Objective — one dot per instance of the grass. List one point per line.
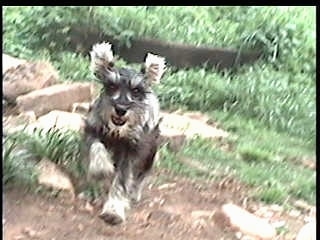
(267, 169)
(268, 107)
(63, 147)
(18, 167)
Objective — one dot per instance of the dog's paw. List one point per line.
(113, 211)
(111, 218)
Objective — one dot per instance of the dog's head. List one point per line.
(130, 106)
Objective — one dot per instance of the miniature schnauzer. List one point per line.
(122, 128)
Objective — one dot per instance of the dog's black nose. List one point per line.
(120, 110)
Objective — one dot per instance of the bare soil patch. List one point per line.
(174, 208)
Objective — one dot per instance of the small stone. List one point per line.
(167, 185)
(19, 237)
(98, 202)
(83, 196)
(29, 232)
(80, 227)
(245, 237)
(88, 207)
(302, 205)
(276, 208)
(264, 212)
(294, 213)
(307, 219)
(248, 223)
(162, 201)
(307, 232)
(202, 214)
(199, 224)
(278, 224)
(238, 235)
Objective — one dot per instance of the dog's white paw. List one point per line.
(113, 211)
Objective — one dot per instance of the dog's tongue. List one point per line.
(118, 121)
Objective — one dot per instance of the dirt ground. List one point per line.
(168, 210)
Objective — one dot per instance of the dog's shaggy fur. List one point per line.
(122, 129)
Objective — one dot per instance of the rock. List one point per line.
(16, 123)
(19, 237)
(238, 235)
(61, 120)
(82, 108)
(302, 205)
(30, 232)
(27, 77)
(309, 163)
(10, 62)
(80, 227)
(57, 97)
(202, 214)
(88, 208)
(167, 186)
(197, 116)
(276, 208)
(278, 224)
(264, 212)
(307, 232)
(294, 213)
(174, 124)
(199, 223)
(51, 176)
(248, 223)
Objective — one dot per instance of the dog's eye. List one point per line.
(112, 87)
(136, 91)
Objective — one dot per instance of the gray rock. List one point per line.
(26, 77)
(56, 97)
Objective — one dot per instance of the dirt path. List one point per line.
(167, 211)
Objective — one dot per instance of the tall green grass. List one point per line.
(279, 90)
(281, 100)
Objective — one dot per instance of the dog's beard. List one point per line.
(131, 130)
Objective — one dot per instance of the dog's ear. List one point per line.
(102, 61)
(154, 67)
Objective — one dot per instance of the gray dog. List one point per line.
(122, 129)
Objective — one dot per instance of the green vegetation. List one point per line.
(60, 146)
(17, 165)
(268, 107)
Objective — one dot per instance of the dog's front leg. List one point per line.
(100, 161)
(118, 201)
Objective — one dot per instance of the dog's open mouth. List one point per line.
(118, 121)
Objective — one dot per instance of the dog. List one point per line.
(122, 128)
